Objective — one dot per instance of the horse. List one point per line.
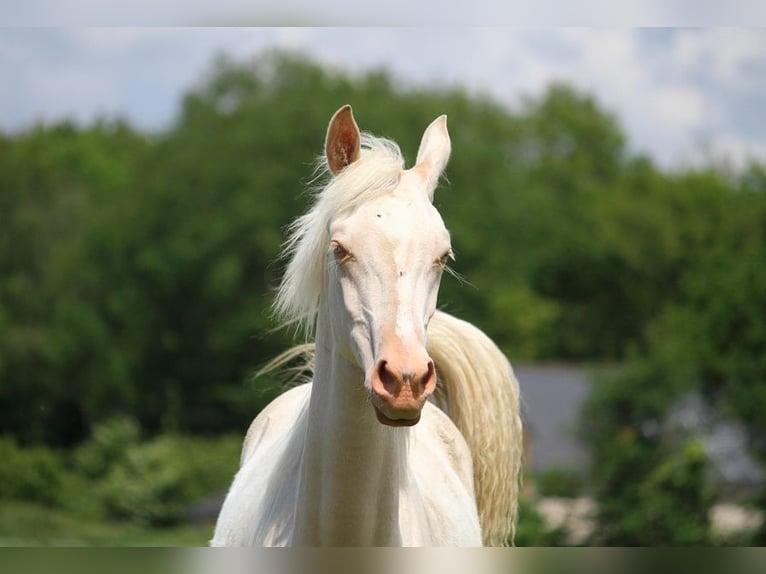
(409, 432)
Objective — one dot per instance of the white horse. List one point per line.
(360, 456)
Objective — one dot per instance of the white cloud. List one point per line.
(678, 107)
(689, 48)
(393, 12)
(728, 150)
(666, 97)
(732, 49)
(722, 53)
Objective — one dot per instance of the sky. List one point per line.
(681, 94)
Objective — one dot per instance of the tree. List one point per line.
(53, 182)
(707, 338)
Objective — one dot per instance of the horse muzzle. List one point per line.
(400, 387)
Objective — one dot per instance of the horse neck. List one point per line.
(352, 466)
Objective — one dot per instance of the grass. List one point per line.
(26, 524)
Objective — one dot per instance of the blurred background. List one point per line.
(607, 201)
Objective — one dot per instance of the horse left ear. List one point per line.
(343, 140)
(433, 154)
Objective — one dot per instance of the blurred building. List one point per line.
(551, 398)
(553, 394)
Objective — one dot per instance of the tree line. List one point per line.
(137, 269)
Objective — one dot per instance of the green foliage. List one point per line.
(559, 482)
(706, 336)
(150, 482)
(648, 491)
(154, 483)
(53, 182)
(531, 529)
(107, 447)
(116, 476)
(137, 272)
(35, 474)
(676, 500)
(668, 505)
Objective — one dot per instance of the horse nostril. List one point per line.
(388, 379)
(392, 383)
(428, 377)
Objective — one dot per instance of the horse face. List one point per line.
(386, 260)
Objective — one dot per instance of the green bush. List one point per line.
(155, 482)
(559, 482)
(116, 476)
(32, 474)
(107, 446)
(676, 501)
(531, 529)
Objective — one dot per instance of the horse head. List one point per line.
(385, 259)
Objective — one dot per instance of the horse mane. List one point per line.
(375, 173)
(477, 389)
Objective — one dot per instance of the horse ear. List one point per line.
(342, 143)
(433, 154)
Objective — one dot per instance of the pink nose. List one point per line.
(400, 386)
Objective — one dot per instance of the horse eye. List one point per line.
(442, 261)
(339, 252)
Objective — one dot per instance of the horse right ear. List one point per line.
(342, 143)
(433, 154)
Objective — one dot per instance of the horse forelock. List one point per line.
(376, 173)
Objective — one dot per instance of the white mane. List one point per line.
(375, 173)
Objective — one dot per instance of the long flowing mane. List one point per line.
(374, 174)
(478, 390)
